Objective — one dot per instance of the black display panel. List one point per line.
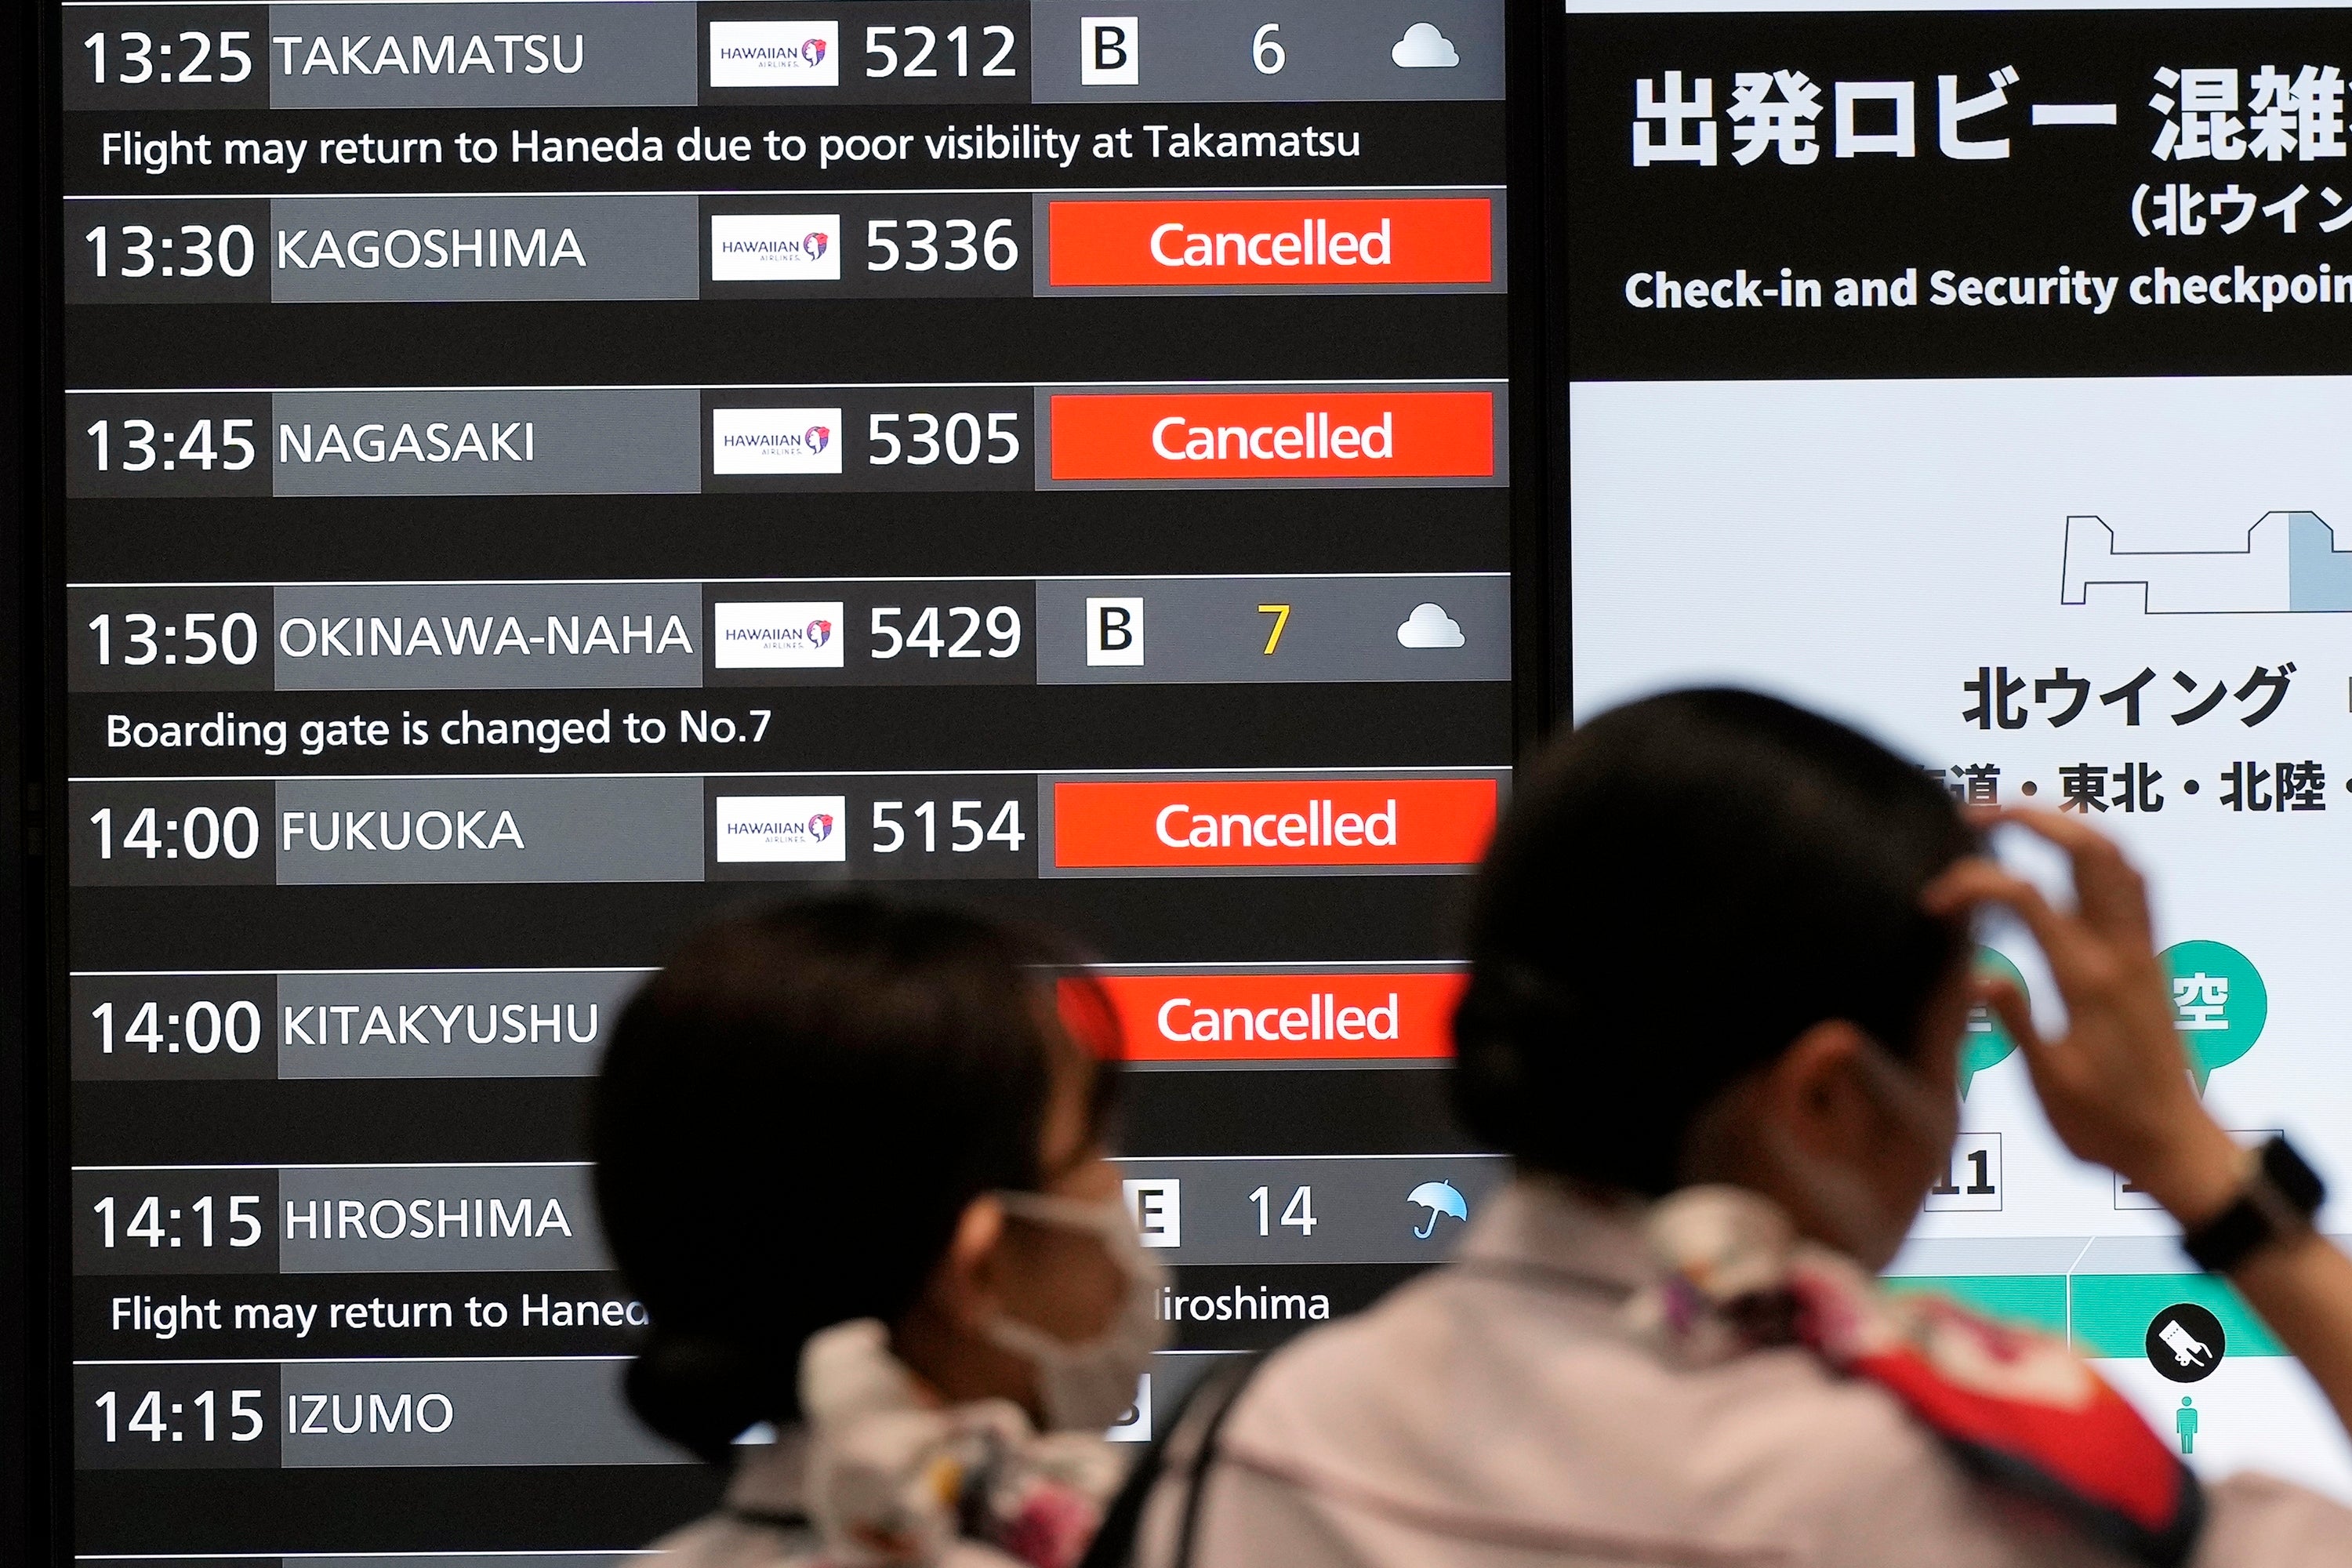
(524, 478)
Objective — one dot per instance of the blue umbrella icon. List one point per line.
(1437, 1197)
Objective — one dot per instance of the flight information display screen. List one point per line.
(529, 477)
(1977, 376)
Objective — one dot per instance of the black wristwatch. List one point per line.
(2278, 1201)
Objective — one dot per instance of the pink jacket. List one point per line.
(1497, 1412)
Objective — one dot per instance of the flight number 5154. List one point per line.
(968, 825)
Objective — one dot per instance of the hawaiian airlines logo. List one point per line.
(775, 441)
(775, 53)
(796, 635)
(768, 829)
(774, 247)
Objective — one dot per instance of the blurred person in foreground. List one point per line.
(851, 1157)
(1721, 969)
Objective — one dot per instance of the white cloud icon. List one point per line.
(1424, 47)
(1430, 626)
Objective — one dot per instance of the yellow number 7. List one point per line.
(1281, 614)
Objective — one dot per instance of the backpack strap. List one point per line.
(1189, 1443)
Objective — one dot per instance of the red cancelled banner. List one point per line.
(1180, 436)
(1305, 823)
(1421, 240)
(1284, 1017)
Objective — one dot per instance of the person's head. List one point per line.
(848, 1109)
(1698, 953)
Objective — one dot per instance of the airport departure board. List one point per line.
(530, 475)
(1978, 376)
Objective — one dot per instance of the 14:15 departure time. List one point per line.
(147, 1419)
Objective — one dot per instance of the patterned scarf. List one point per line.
(2017, 1408)
(895, 1481)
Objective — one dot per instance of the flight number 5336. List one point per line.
(951, 245)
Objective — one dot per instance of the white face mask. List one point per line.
(1844, 1197)
(1086, 1386)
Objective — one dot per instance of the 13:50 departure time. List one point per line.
(237, 642)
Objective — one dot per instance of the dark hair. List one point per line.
(1679, 890)
(789, 1121)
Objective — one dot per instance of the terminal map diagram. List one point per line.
(2287, 561)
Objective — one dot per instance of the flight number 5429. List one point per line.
(967, 634)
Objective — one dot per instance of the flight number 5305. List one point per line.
(960, 439)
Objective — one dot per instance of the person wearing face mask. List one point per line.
(851, 1158)
(1721, 967)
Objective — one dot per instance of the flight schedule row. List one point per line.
(184, 1220)
(352, 1026)
(613, 635)
(435, 54)
(669, 440)
(404, 1316)
(552, 1409)
(481, 828)
(784, 244)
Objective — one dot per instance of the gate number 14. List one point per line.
(1299, 1212)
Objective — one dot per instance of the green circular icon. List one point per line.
(1983, 1039)
(2219, 1003)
